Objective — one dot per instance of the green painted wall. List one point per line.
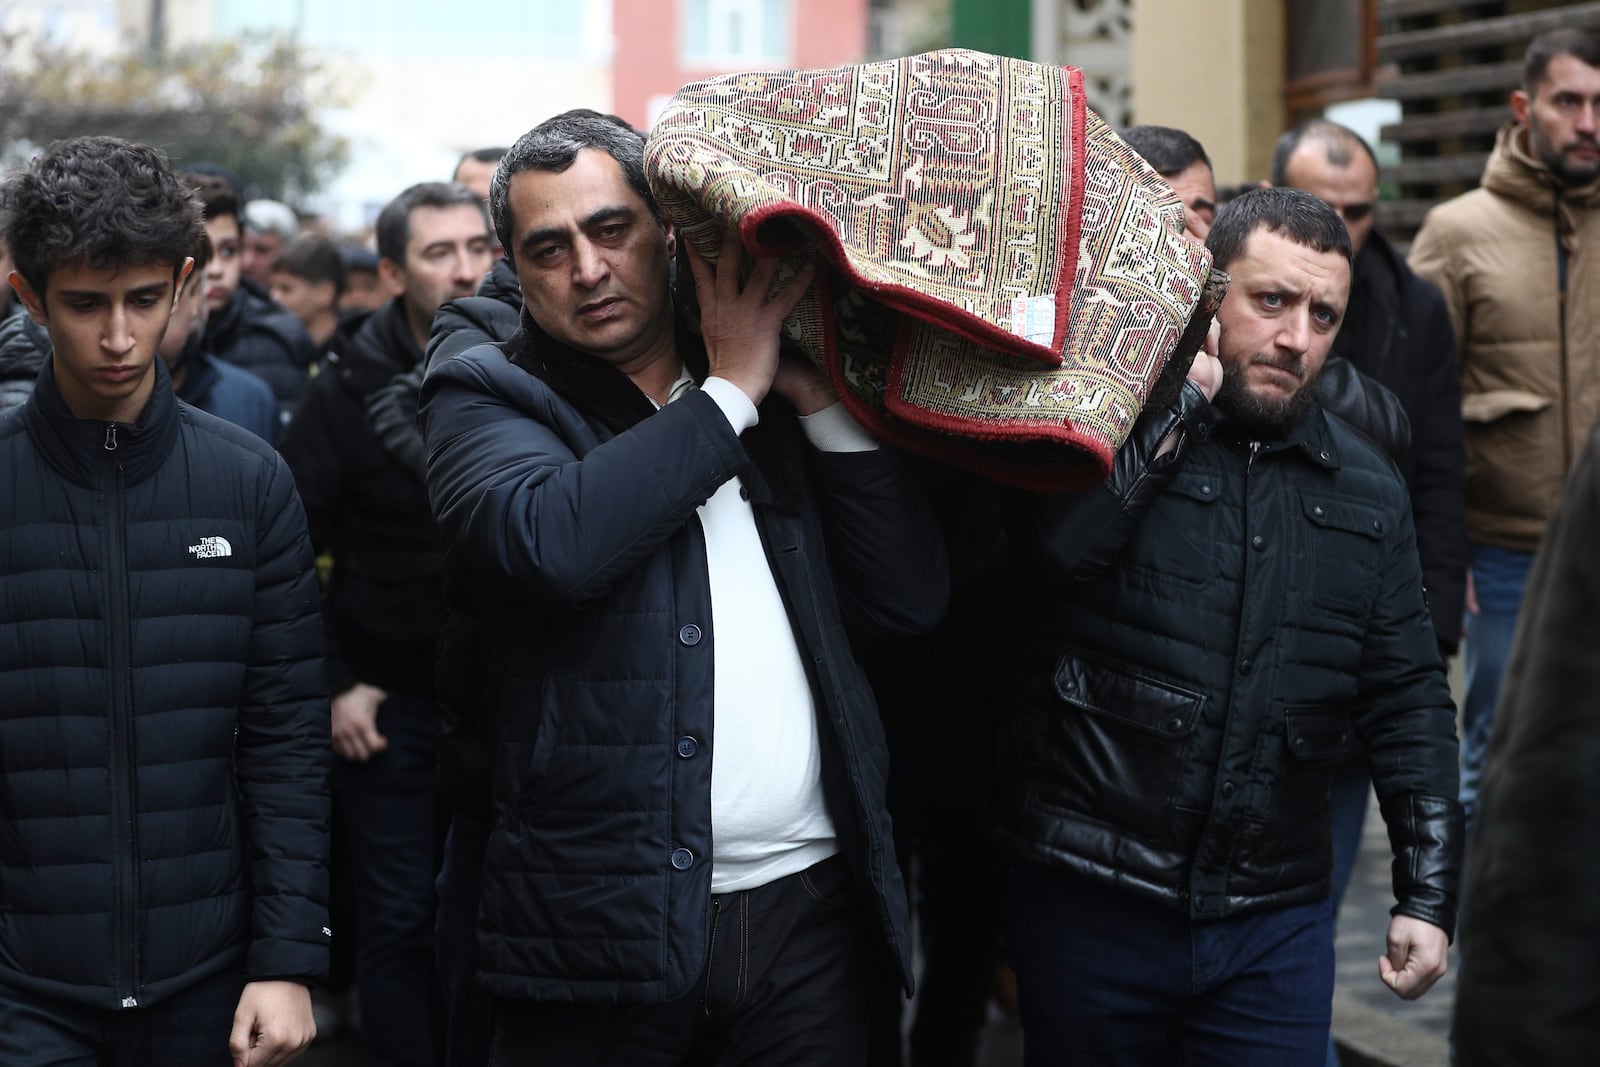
(1000, 27)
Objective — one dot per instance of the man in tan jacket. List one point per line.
(1524, 301)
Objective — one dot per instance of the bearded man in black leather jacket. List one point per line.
(1215, 626)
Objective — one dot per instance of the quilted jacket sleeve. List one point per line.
(522, 486)
(1407, 721)
(1079, 534)
(282, 749)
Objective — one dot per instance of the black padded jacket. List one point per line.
(1210, 632)
(256, 334)
(368, 508)
(588, 566)
(163, 712)
(1397, 331)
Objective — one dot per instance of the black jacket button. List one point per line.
(689, 634)
(687, 746)
(682, 859)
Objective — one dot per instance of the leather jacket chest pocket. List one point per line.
(1177, 547)
(1118, 744)
(1344, 550)
(1301, 763)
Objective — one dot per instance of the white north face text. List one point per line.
(211, 548)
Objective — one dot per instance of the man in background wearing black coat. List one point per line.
(1397, 331)
(368, 508)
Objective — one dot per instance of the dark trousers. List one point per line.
(790, 971)
(1108, 978)
(468, 1011)
(190, 1028)
(939, 796)
(387, 808)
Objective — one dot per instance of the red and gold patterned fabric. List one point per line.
(1008, 279)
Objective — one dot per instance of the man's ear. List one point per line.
(1519, 106)
(672, 238)
(29, 298)
(393, 277)
(183, 276)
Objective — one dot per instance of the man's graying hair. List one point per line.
(1290, 213)
(553, 145)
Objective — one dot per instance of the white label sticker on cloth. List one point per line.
(1033, 318)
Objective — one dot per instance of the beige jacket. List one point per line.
(1528, 394)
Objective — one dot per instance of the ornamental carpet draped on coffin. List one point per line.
(1005, 279)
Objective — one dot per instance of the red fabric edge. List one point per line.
(1072, 211)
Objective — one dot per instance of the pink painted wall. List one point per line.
(645, 63)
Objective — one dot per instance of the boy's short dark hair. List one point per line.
(313, 258)
(217, 197)
(202, 254)
(98, 200)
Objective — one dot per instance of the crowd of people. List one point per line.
(580, 669)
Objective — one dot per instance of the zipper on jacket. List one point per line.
(125, 816)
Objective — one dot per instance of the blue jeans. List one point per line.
(1498, 577)
(1108, 978)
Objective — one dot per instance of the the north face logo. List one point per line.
(211, 548)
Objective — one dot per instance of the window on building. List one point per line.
(731, 33)
(1332, 52)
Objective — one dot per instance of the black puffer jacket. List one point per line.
(1397, 331)
(488, 318)
(1185, 692)
(254, 333)
(494, 314)
(163, 713)
(590, 573)
(369, 509)
(24, 349)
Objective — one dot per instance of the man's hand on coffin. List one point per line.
(738, 321)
